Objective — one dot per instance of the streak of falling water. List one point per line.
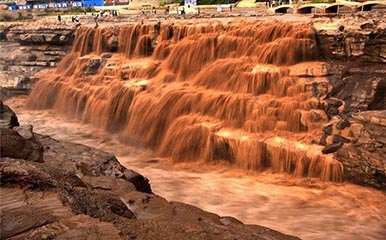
(309, 209)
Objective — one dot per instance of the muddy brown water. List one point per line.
(230, 111)
(309, 209)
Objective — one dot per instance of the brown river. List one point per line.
(307, 208)
(223, 105)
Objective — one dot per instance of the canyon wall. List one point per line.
(356, 49)
(27, 48)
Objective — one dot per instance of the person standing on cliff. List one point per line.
(59, 19)
(96, 20)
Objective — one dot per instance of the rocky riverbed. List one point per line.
(53, 189)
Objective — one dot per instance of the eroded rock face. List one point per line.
(41, 35)
(355, 38)
(27, 48)
(8, 118)
(13, 145)
(365, 159)
(357, 89)
(355, 49)
(79, 192)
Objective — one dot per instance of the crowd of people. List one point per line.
(95, 15)
(144, 11)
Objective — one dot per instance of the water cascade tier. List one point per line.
(242, 92)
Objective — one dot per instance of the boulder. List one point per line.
(13, 145)
(8, 118)
(332, 106)
(342, 124)
(327, 130)
(25, 131)
(323, 140)
(339, 139)
(333, 147)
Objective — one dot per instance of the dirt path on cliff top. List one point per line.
(306, 208)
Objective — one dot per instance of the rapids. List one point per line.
(307, 208)
(204, 92)
(221, 115)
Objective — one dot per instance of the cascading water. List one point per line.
(199, 92)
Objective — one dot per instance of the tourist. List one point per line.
(59, 19)
(230, 7)
(96, 20)
(198, 10)
(77, 22)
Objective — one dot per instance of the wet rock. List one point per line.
(327, 130)
(8, 118)
(25, 131)
(323, 140)
(379, 93)
(13, 145)
(342, 124)
(314, 69)
(93, 65)
(106, 55)
(339, 139)
(364, 159)
(332, 107)
(24, 83)
(139, 181)
(359, 87)
(333, 147)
